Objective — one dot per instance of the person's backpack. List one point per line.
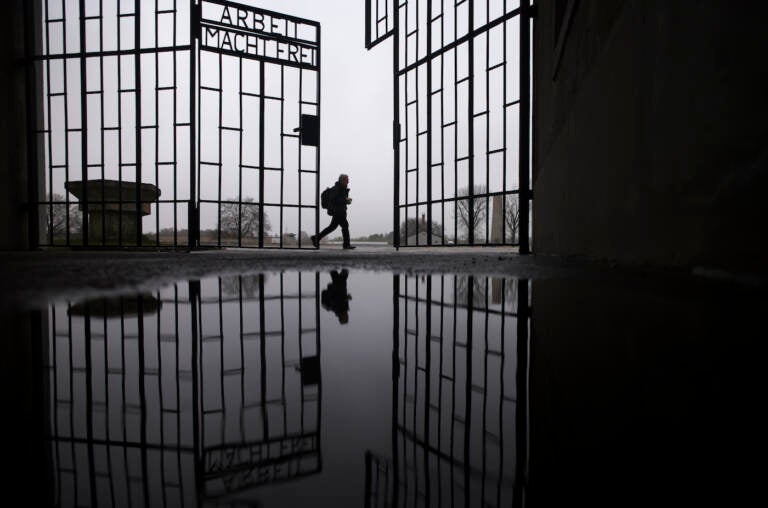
(325, 198)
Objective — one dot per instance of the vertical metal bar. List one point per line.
(261, 153)
(33, 210)
(443, 229)
(318, 350)
(143, 403)
(240, 154)
(221, 361)
(262, 357)
(137, 87)
(427, 370)
(455, 140)
(525, 128)
(196, 338)
(484, 427)
(319, 133)
(83, 125)
(193, 215)
(220, 160)
(504, 139)
(101, 114)
(501, 384)
(66, 125)
(175, 136)
(160, 399)
(49, 136)
(471, 122)
(468, 385)
(157, 134)
(282, 151)
(396, 136)
(488, 211)
(282, 351)
(89, 396)
(119, 130)
(395, 383)
(368, 24)
(429, 122)
(521, 413)
(137, 102)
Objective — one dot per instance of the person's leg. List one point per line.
(344, 229)
(333, 225)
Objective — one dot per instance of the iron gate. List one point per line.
(172, 123)
(461, 129)
(460, 373)
(158, 400)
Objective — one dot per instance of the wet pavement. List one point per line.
(456, 378)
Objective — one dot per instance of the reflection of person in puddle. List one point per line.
(335, 297)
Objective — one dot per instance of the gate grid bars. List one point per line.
(172, 123)
(461, 129)
(459, 394)
(161, 400)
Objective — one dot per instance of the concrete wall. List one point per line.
(13, 144)
(651, 141)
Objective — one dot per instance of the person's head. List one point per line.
(344, 179)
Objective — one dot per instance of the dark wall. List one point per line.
(651, 140)
(13, 160)
(645, 393)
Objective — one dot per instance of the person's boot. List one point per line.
(350, 247)
(315, 241)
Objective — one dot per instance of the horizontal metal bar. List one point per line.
(459, 198)
(494, 67)
(471, 35)
(497, 150)
(115, 52)
(513, 103)
(308, 171)
(254, 203)
(480, 113)
(226, 128)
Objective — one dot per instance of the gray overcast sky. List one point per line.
(356, 112)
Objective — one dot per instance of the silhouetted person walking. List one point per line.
(335, 297)
(337, 208)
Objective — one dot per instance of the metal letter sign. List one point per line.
(245, 31)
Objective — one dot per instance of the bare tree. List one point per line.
(512, 216)
(478, 207)
(243, 220)
(57, 220)
(246, 286)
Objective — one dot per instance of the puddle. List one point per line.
(360, 388)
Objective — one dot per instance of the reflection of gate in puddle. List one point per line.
(194, 392)
(459, 410)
